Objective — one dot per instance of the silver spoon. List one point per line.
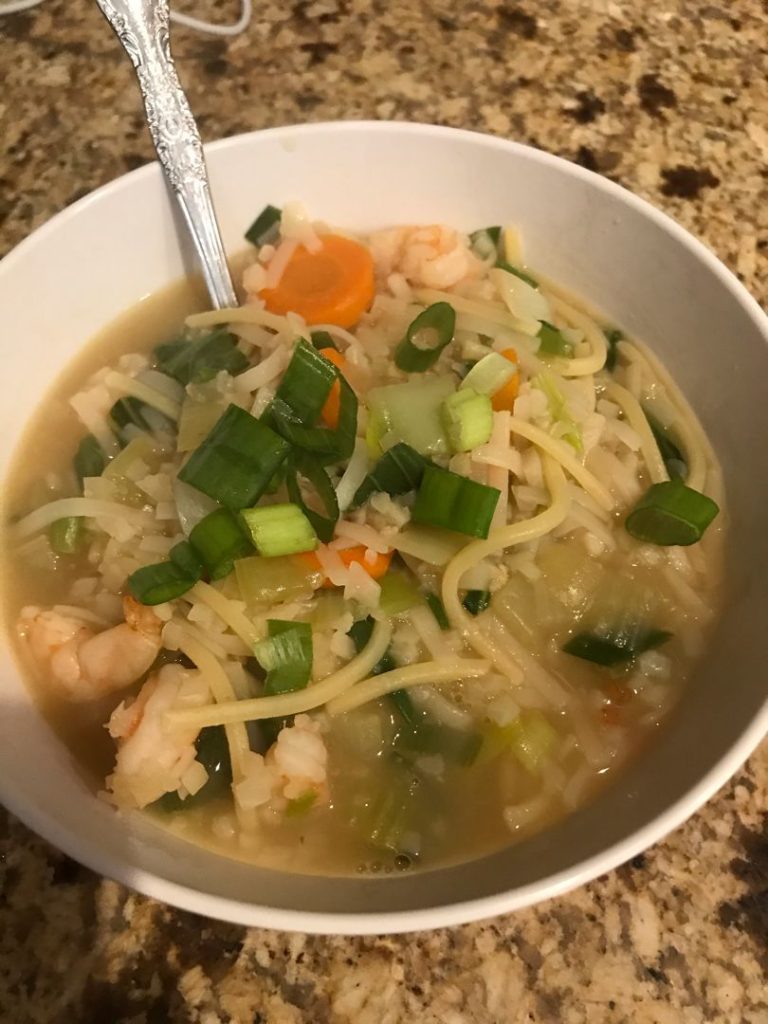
(142, 28)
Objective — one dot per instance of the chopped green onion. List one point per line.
(489, 374)
(360, 633)
(468, 419)
(612, 336)
(236, 462)
(398, 593)
(409, 412)
(476, 601)
(485, 242)
(219, 540)
(300, 465)
(510, 269)
(457, 745)
(426, 337)
(403, 704)
(385, 818)
(673, 458)
(553, 342)
(286, 656)
(324, 444)
(279, 530)
(65, 535)
(558, 409)
(266, 226)
(196, 359)
(270, 580)
(671, 513)
(212, 751)
(454, 502)
(184, 557)
(305, 386)
(300, 805)
(612, 648)
(156, 584)
(89, 459)
(322, 339)
(438, 610)
(398, 471)
(130, 412)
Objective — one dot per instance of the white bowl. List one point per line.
(114, 247)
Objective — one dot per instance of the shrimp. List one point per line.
(152, 757)
(295, 765)
(429, 257)
(86, 664)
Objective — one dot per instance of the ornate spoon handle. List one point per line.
(142, 28)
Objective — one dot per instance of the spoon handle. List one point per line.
(142, 28)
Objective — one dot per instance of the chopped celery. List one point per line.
(286, 656)
(279, 530)
(199, 415)
(398, 593)
(489, 374)
(411, 412)
(431, 544)
(553, 342)
(558, 409)
(271, 580)
(385, 819)
(468, 419)
(143, 449)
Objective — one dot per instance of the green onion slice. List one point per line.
(322, 443)
(184, 556)
(66, 535)
(438, 610)
(266, 226)
(89, 459)
(198, 358)
(476, 601)
(237, 460)
(426, 337)
(322, 339)
(455, 503)
(510, 269)
(612, 336)
(305, 386)
(303, 466)
(398, 471)
(218, 541)
(671, 513)
(612, 648)
(552, 342)
(673, 458)
(279, 530)
(156, 584)
(286, 656)
(468, 419)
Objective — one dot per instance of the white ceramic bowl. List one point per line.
(114, 247)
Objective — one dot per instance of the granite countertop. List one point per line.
(670, 98)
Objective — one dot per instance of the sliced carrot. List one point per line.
(505, 396)
(375, 569)
(329, 414)
(331, 286)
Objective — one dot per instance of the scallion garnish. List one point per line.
(187, 559)
(193, 360)
(279, 530)
(438, 610)
(426, 337)
(612, 336)
(322, 339)
(218, 541)
(324, 444)
(398, 593)
(476, 601)
(266, 226)
(454, 502)
(305, 386)
(66, 535)
(612, 648)
(156, 584)
(673, 458)
(552, 341)
(360, 634)
(398, 471)
(303, 466)
(468, 419)
(671, 513)
(236, 462)
(489, 374)
(510, 269)
(286, 656)
(409, 412)
(89, 459)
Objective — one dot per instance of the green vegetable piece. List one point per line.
(510, 269)
(671, 513)
(303, 466)
(552, 342)
(612, 336)
(673, 458)
(485, 242)
(386, 817)
(455, 503)
(213, 754)
(89, 459)
(322, 443)
(236, 462)
(271, 580)
(266, 226)
(476, 601)
(401, 700)
(196, 359)
(286, 656)
(614, 648)
(398, 593)
(186, 558)
(438, 610)
(322, 339)
(489, 374)
(426, 337)
(219, 540)
(468, 419)
(456, 745)
(66, 535)
(398, 471)
(305, 386)
(360, 633)
(531, 738)
(158, 583)
(279, 530)
(301, 805)
(409, 412)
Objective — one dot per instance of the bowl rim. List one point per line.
(365, 922)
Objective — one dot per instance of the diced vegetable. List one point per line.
(219, 541)
(237, 460)
(279, 530)
(476, 601)
(398, 471)
(468, 419)
(454, 502)
(612, 648)
(184, 556)
(438, 610)
(322, 339)
(385, 819)
(459, 746)
(66, 535)
(305, 386)
(212, 751)
(410, 412)
(490, 373)
(156, 584)
(89, 459)
(612, 336)
(286, 656)
(431, 544)
(130, 414)
(375, 569)
(334, 285)
(303, 467)
(198, 358)
(671, 513)
(553, 342)
(271, 580)
(398, 593)
(426, 337)
(323, 444)
(531, 738)
(266, 227)
(141, 449)
(673, 458)
(301, 805)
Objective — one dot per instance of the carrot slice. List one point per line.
(329, 414)
(375, 569)
(505, 396)
(331, 286)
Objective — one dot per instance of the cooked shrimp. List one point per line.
(153, 758)
(431, 257)
(296, 764)
(84, 663)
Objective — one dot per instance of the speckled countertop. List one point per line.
(669, 97)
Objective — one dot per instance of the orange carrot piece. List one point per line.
(505, 396)
(329, 414)
(375, 569)
(334, 285)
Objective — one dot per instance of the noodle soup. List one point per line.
(397, 562)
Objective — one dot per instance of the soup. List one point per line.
(394, 564)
